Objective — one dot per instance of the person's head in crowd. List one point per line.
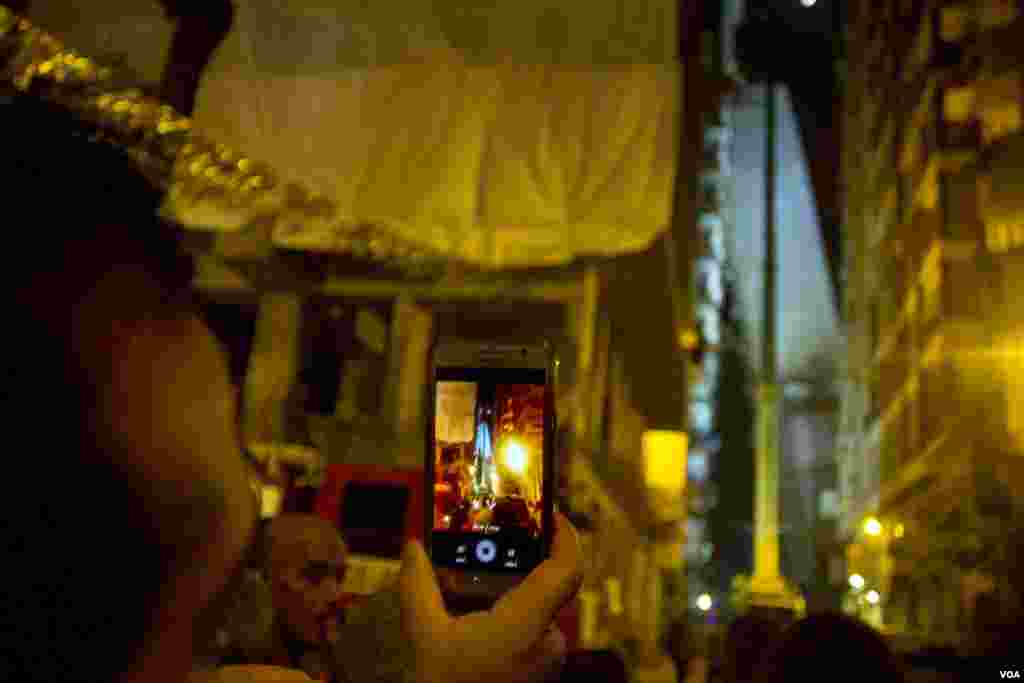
(827, 642)
(131, 506)
(995, 630)
(450, 456)
(306, 565)
(682, 646)
(747, 640)
(594, 666)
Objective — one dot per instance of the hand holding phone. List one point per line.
(512, 642)
(489, 469)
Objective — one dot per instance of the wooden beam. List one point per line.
(215, 276)
(493, 290)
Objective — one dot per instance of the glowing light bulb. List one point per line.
(873, 597)
(872, 527)
(808, 3)
(515, 457)
(704, 602)
(856, 581)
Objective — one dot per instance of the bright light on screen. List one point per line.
(515, 457)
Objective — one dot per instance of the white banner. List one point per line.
(523, 133)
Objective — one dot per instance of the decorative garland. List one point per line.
(208, 186)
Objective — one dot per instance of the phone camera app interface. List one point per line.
(488, 472)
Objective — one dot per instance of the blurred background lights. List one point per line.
(856, 581)
(704, 602)
(872, 597)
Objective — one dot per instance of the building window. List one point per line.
(1013, 362)
(697, 465)
(700, 418)
(876, 325)
(710, 322)
(828, 504)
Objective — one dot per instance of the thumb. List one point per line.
(551, 656)
(256, 673)
(419, 595)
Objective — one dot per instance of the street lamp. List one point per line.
(872, 527)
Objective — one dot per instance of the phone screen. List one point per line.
(489, 461)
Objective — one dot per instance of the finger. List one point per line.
(257, 673)
(421, 601)
(525, 612)
(550, 658)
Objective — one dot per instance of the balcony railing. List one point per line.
(936, 402)
(921, 235)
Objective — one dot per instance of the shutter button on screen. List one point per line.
(486, 551)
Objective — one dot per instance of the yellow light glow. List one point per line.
(898, 531)
(664, 454)
(689, 339)
(873, 597)
(872, 527)
(856, 581)
(704, 602)
(515, 456)
(271, 501)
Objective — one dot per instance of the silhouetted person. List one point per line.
(683, 648)
(512, 511)
(748, 639)
(200, 27)
(994, 634)
(831, 642)
(594, 666)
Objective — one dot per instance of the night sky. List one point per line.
(801, 47)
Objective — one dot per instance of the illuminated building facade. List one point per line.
(709, 270)
(930, 427)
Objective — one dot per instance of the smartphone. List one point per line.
(489, 467)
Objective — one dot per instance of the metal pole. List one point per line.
(767, 587)
(768, 358)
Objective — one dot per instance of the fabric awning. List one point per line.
(464, 132)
